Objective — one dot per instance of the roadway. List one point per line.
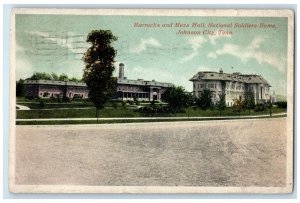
(247, 152)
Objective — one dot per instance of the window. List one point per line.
(194, 86)
(202, 85)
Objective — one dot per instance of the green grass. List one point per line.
(109, 112)
(124, 112)
(227, 112)
(77, 113)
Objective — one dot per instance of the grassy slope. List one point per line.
(123, 112)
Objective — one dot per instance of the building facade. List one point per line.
(50, 88)
(139, 89)
(127, 89)
(232, 85)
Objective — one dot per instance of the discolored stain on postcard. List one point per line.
(151, 101)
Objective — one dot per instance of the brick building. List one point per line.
(233, 85)
(127, 89)
(50, 88)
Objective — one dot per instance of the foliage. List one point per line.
(52, 76)
(136, 101)
(205, 100)
(40, 76)
(114, 104)
(260, 107)
(20, 88)
(41, 104)
(99, 67)
(221, 103)
(238, 105)
(281, 104)
(63, 77)
(249, 101)
(176, 97)
(73, 79)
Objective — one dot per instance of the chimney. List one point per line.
(221, 71)
(121, 70)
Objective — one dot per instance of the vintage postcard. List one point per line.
(151, 101)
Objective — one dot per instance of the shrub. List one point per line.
(281, 104)
(66, 99)
(114, 104)
(260, 107)
(41, 104)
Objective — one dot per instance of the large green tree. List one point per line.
(99, 67)
(176, 97)
(205, 100)
(221, 103)
(249, 101)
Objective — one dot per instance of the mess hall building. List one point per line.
(127, 89)
(232, 85)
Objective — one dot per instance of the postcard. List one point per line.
(151, 101)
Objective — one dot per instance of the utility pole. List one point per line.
(270, 106)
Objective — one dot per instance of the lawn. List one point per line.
(126, 112)
(84, 109)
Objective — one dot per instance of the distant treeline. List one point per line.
(52, 76)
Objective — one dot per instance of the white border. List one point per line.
(151, 189)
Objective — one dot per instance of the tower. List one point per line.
(121, 70)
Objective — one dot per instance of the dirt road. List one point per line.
(213, 153)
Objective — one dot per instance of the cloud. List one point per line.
(251, 52)
(213, 38)
(149, 73)
(24, 68)
(195, 43)
(71, 41)
(188, 57)
(144, 44)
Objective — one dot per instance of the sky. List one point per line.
(56, 43)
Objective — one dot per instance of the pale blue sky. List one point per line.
(55, 43)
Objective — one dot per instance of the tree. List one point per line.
(63, 77)
(238, 105)
(249, 101)
(176, 97)
(20, 88)
(73, 79)
(54, 76)
(221, 103)
(205, 100)
(99, 67)
(40, 76)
